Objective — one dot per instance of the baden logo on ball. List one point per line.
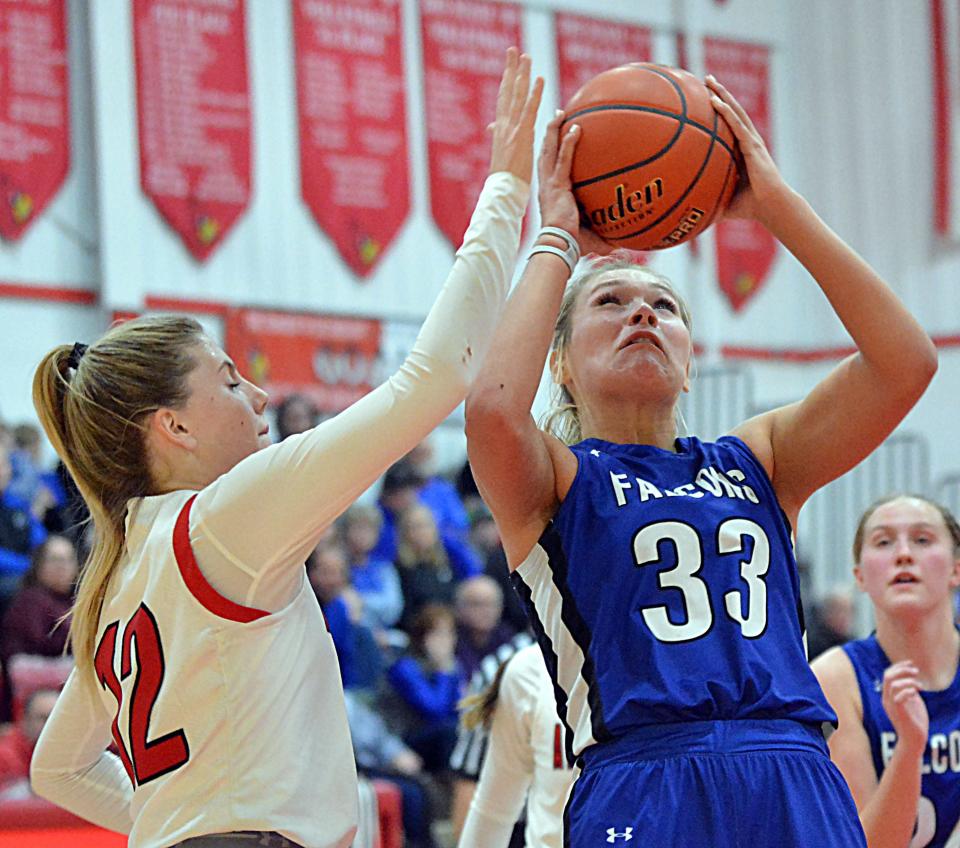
(655, 163)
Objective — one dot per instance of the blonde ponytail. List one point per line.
(93, 404)
(477, 710)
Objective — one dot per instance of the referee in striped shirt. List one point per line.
(470, 750)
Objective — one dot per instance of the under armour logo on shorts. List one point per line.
(613, 836)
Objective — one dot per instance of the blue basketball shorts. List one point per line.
(712, 784)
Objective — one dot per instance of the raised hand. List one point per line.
(763, 185)
(517, 104)
(904, 706)
(558, 207)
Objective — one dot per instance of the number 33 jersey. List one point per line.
(665, 589)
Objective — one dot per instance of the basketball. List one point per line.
(655, 163)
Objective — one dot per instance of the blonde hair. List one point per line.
(407, 557)
(477, 710)
(92, 404)
(562, 418)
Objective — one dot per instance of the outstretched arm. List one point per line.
(521, 472)
(265, 515)
(868, 394)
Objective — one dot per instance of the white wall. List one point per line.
(30, 329)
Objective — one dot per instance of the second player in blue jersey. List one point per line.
(897, 692)
(658, 571)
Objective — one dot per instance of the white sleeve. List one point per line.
(71, 766)
(508, 768)
(264, 516)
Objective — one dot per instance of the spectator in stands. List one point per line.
(401, 489)
(34, 621)
(30, 482)
(382, 754)
(26, 463)
(18, 742)
(422, 564)
(69, 516)
(20, 532)
(375, 580)
(398, 493)
(485, 537)
(467, 487)
(480, 626)
(438, 493)
(831, 622)
(426, 680)
(296, 414)
(361, 663)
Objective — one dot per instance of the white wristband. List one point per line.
(556, 251)
(571, 255)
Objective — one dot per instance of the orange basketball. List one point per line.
(655, 163)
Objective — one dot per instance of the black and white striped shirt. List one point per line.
(470, 750)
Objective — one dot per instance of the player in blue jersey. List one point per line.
(897, 692)
(659, 571)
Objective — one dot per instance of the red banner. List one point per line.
(332, 360)
(352, 116)
(193, 110)
(34, 110)
(745, 250)
(587, 46)
(945, 41)
(464, 43)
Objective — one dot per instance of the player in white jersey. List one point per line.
(527, 759)
(201, 649)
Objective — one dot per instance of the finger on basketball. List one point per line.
(733, 120)
(567, 147)
(550, 145)
(729, 100)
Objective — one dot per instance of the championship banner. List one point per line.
(193, 115)
(587, 46)
(464, 44)
(745, 250)
(332, 360)
(34, 110)
(352, 120)
(945, 22)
